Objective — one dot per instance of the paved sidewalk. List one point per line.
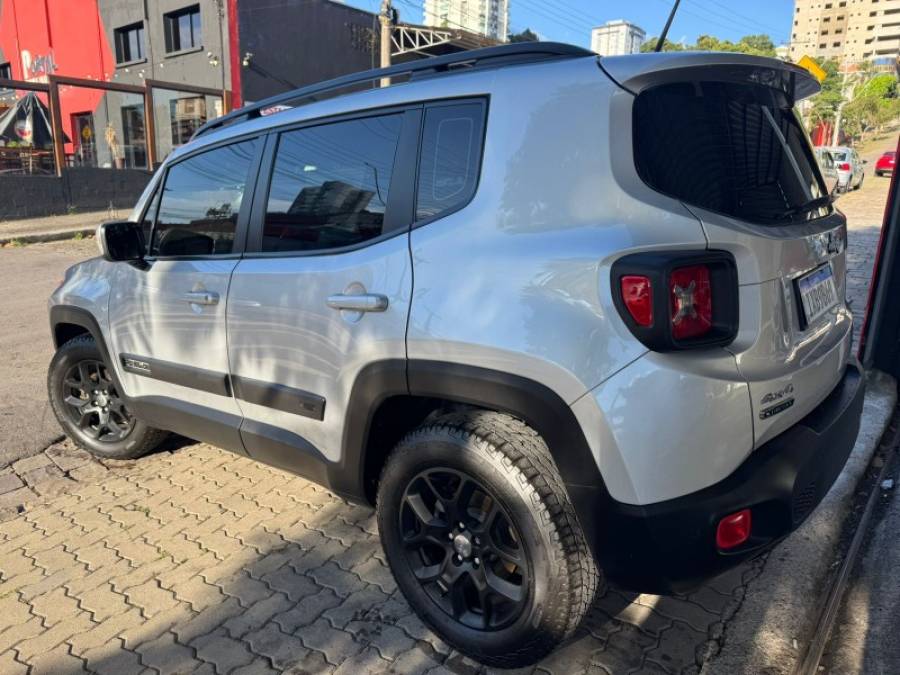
(53, 228)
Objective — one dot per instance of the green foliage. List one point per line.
(758, 45)
(668, 46)
(827, 101)
(526, 35)
(881, 86)
(875, 103)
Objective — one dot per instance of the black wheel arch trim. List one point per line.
(534, 403)
(78, 316)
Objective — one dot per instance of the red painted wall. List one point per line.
(59, 37)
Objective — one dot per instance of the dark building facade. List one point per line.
(252, 48)
(121, 41)
(285, 44)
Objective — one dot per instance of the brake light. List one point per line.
(675, 300)
(734, 530)
(637, 293)
(844, 166)
(691, 300)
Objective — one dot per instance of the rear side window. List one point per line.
(330, 184)
(735, 149)
(450, 158)
(201, 201)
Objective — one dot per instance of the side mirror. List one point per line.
(121, 241)
(865, 161)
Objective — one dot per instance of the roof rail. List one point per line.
(520, 52)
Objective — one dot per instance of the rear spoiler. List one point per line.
(637, 72)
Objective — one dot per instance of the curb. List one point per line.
(767, 633)
(53, 235)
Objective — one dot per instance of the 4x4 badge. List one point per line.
(773, 396)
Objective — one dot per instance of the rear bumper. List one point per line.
(670, 546)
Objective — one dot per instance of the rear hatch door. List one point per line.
(719, 133)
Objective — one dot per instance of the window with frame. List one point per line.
(129, 43)
(186, 115)
(182, 29)
(330, 184)
(201, 200)
(450, 158)
(5, 71)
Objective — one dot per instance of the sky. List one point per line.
(572, 20)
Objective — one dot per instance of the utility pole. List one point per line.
(386, 20)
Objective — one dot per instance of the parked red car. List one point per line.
(886, 163)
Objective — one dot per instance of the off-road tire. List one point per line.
(513, 462)
(141, 438)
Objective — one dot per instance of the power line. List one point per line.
(730, 27)
(778, 31)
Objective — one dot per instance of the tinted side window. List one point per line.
(330, 184)
(450, 159)
(201, 201)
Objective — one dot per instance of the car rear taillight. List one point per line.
(678, 300)
(637, 294)
(734, 530)
(844, 166)
(691, 302)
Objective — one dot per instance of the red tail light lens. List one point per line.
(637, 293)
(690, 302)
(734, 530)
(844, 167)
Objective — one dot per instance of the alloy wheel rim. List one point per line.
(93, 404)
(464, 549)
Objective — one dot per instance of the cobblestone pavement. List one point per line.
(196, 560)
(864, 209)
(199, 560)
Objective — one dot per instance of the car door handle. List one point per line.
(359, 302)
(201, 297)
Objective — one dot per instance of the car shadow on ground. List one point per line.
(203, 559)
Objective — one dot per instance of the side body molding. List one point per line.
(530, 401)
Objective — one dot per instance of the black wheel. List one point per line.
(89, 407)
(859, 185)
(483, 539)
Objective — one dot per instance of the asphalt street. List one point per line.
(27, 277)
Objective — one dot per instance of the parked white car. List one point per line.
(850, 167)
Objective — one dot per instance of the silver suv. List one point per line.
(560, 319)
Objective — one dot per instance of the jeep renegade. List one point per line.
(560, 319)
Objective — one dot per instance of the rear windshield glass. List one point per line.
(839, 156)
(735, 149)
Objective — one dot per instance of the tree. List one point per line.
(881, 86)
(829, 99)
(758, 45)
(668, 46)
(526, 35)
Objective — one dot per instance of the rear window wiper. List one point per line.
(825, 200)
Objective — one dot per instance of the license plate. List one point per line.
(817, 292)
